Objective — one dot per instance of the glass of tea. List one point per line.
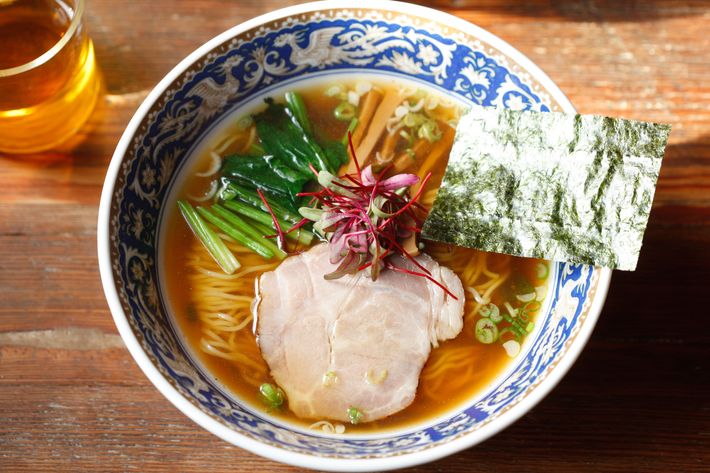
(49, 83)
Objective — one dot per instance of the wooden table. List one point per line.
(638, 399)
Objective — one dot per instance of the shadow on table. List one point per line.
(580, 10)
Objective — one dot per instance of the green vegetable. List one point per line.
(354, 415)
(486, 331)
(298, 109)
(304, 236)
(344, 112)
(542, 270)
(267, 173)
(256, 149)
(283, 137)
(214, 245)
(527, 309)
(272, 395)
(337, 154)
(236, 232)
(491, 311)
(349, 131)
(232, 190)
(250, 228)
(430, 131)
(506, 331)
(554, 186)
(515, 325)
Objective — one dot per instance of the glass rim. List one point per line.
(51, 52)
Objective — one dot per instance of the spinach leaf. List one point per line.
(268, 174)
(284, 138)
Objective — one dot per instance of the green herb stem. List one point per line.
(236, 232)
(251, 228)
(303, 236)
(252, 198)
(350, 130)
(214, 245)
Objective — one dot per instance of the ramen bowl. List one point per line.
(293, 46)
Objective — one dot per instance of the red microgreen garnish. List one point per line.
(281, 239)
(366, 217)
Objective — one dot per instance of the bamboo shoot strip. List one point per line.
(367, 110)
(405, 160)
(440, 147)
(556, 186)
(389, 103)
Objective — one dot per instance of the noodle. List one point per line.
(223, 306)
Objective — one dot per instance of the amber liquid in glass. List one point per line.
(44, 104)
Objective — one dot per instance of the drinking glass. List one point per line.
(49, 83)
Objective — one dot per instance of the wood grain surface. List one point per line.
(638, 398)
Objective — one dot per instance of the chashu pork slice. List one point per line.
(352, 342)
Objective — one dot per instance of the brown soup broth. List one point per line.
(477, 365)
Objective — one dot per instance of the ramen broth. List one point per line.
(456, 370)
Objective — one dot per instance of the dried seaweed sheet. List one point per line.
(558, 186)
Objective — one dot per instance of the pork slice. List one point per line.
(352, 342)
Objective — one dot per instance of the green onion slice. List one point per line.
(491, 311)
(542, 270)
(486, 331)
(349, 131)
(272, 395)
(355, 415)
(344, 112)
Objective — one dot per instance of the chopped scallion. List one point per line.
(350, 130)
(486, 331)
(505, 332)
(542, 270)
(540, 292)
(491, 311)
(272, 395)
(512, 348)
(330, 378)
(344, 111)
(526, 297)
(355, 415)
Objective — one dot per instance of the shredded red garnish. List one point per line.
(365, 217)
(281, 239)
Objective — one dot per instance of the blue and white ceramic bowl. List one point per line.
(288, 46)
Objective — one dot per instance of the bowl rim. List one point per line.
(233, 436)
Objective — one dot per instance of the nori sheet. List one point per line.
(557, 186)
